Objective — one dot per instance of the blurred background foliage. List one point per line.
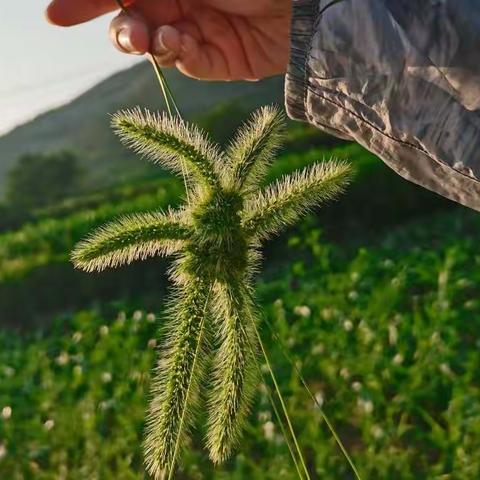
(375, 297)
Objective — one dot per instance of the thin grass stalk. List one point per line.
(312, 396)
(168, 97)
(282, 401)
(167, 92)
(279, 419)
(285, 435)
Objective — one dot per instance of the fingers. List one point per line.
(166, 45)
(202, 61)
(129, 33)
(181, 46)
(177, 42)
(72, 12)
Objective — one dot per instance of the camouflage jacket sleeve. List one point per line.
(401, 77)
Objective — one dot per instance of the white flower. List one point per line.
(319, 399)
(387, 263)
(152, 343)
(106, 377)
(269, 430)
(353, 295)
(366, 334)
(318, 349)
(137, 315)
(78, 358)
(49, 424)
(63, 358)
(463, 283)
(121, 318)
(365, 405)
(435, 338)
(151, 318)
(446, 370)
(356, 386)
(263, 389)
(8, 371)
(348, 325)
(398, 359)
(377, 431)
(77, 337)
(470, 304)
(264, 416)
(103, 331)
(6, 412)
(392, 334)
(354, 276)
(395, 282)
(3, 451)
(302, 311)
(344, 373)
(107, 404)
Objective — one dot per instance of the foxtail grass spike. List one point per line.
(254, 147)
(170, 142)
(130, 238)
(284, 202)
(234, 370)
(177, 377)
(215, 241)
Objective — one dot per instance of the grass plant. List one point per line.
(210, 336)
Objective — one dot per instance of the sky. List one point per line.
(42, 66)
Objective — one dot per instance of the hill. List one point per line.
(83, 124)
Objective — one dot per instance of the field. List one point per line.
(375, 300)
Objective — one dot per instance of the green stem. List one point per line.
(277, 415)
(312, 396)
(166, 90)
(282, 401)
(285, 435)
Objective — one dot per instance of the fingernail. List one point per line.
(123, 40)
(160, 42)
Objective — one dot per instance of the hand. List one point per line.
(204, 39)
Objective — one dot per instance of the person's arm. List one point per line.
(401, 78)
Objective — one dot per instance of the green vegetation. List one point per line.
(38, 181)
(379, 309)
(388, 339)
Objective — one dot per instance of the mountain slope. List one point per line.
(83, 124)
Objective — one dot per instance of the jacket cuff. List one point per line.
(305, 13)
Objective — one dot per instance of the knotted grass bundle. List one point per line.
(215, 242)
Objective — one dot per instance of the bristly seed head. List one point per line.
(216, 241)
